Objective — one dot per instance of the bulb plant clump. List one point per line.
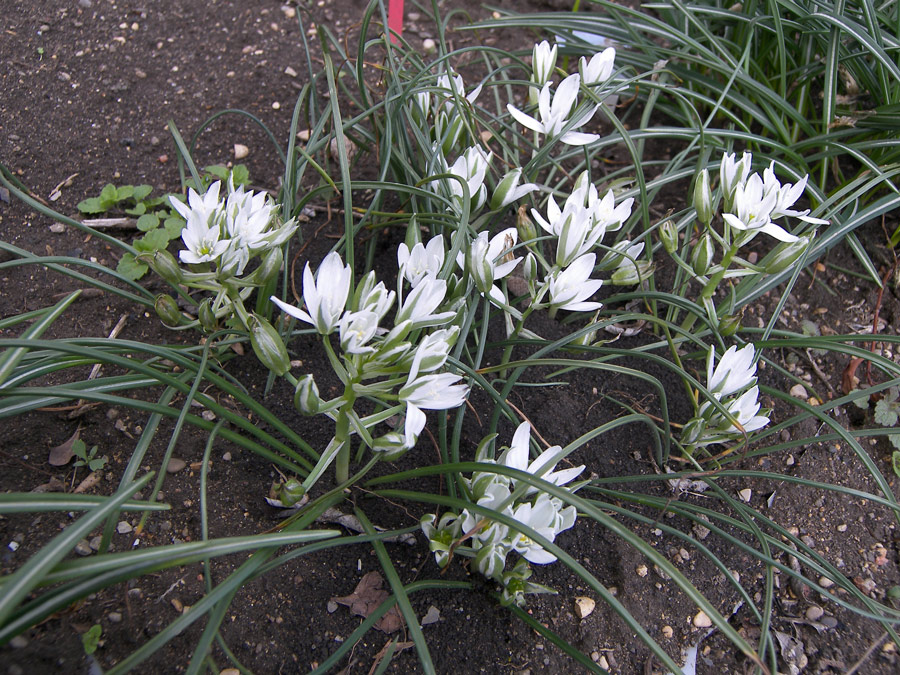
(397, 350)
(534, 258)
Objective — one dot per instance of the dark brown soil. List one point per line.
(88, 88)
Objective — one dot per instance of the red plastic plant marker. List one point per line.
(395, 19)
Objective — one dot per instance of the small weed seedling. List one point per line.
(86, 458)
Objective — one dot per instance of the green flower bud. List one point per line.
(587, 339)
(164, 264)
(207, 317)
(267, 346)
(703, 201)
(391, 446)
(702, 255)
(479, 267)
(668, 235)
(784, 255)
(530, 270)
(692, 432)
(269, 267)
(290, 492)
(167, 310)
(730, 324)
(306, 396)
(413, 233)
(524, 225)
(628, 275)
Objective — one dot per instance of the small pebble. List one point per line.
(667, 631)
(226, 457)
(829, 622)
(814, 613)
(57, 228)
(429, 46)
(19, 642)
(114, 617)
(433, 615)
(825, 582)
(595, 656)
(584, 606)
(746, 494)
(842, 528)
(124, 527)
(331, 606)
(798, 391)
(603, 663)
(641, 570)
(240, 151)
(701, 620)
(290, 72)
(175, 465)
(83, 548)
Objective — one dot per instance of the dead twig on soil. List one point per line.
(875, 645)
(82, 406)
(109, 223)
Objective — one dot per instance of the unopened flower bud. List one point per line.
(784, 255)
(269, 267)
(306, 396)
(530, 269)
(668, 235)
(703, 201)
(631, 273)
(391, 446)
(702, 256)
(508, 190)
(207, 317)
(524, 225)
(167, 309)
(164, 264)
(692, 431)
(543, 62)
(290, 492)
(730, 324)
(588, 338)
(267, 346)
(413, 233)
(479, 267)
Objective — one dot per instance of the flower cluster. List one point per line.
(751, 204)
(394, 365)
(228, 233)
(489, 542)
(440, 111)
(559, 114)
(732, 383)
(222, 235)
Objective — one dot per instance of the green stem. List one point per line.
(342, 434)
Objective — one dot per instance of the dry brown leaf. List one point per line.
(53, 485)
(62, 454)
(366, 598)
